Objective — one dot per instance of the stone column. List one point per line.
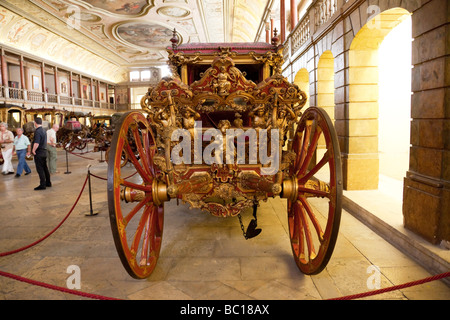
(91, 88)
(426, 193)
(293, 14)
(57, 91)
(43, 83)
(22, 73)
(4, 69)
(70, 84)
(43, 77)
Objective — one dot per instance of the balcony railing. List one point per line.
(319, 13)
(24, 97)
(52, 98)
(65, 100)
(323, 11)
(15, 93)
(35, 96)
(301, 34)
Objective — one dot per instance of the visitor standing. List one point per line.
(6, 142)
(51, 148)
(22, 147)
(40, 155)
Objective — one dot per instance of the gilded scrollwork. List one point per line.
(273, 103)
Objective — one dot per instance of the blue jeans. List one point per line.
(22, 162)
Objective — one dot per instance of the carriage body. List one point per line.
(102, 130)
(49, 117)
(14, 116)
(223, 133)
(222, 105)
(74, 130)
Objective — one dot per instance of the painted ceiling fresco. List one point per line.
(126, 33)
(148, 35)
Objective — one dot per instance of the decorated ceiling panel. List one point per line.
(125, 33)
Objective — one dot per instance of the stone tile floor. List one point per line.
(202, 257)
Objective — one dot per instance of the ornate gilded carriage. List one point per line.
(49, 117)
(74, 132)
(224, 132)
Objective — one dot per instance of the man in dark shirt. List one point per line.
(39, 150)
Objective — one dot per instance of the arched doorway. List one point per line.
(325, 83)
(394, 105)
(361, 163)
(301, 79)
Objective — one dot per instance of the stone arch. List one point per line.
(325, 83)
(361, 161)
(301, 79)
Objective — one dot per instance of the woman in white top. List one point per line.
(6, 142)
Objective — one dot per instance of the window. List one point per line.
(145, 75)
(134, 76)
(165, 71)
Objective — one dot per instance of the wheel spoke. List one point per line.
(154, 230)
(316, 168)
(307, 233)
(138, 207)
(298, 236)
(149, 150)
(294, 230)
(311, 150)
(147, 240)
(143, 224)
(141, 151)
(313, 218)
(304, 146)
(142, 172)
(313, 192)
(145, 188)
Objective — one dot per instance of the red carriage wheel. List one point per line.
(136, 213)
(314, 208)
(69, 142)
(81, 145)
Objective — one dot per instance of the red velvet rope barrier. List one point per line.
(95, 296)
(101, 178)
(43, 284)
(3, 254)
(53, 287)
(393, 288)
(80, 155)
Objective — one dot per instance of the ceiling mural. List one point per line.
(127, 34)
(26, 36)
(147, 35)
(124, 7)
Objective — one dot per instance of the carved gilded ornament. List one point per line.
(273, 103)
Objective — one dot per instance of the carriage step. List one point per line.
(251, 229)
